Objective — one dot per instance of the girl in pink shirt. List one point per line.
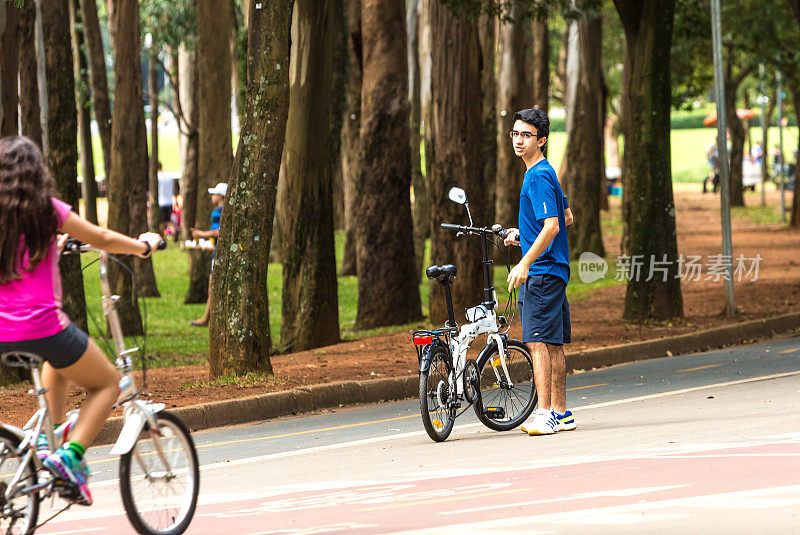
(31, 318)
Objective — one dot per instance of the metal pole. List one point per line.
(779, 103)
(762, 98)
(722, 148)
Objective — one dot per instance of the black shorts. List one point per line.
(544, 310)
(165, 213)
(62, 349)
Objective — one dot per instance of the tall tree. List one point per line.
(585, 167)
(733, 80)
(384, 238)
(83, 103)
(541, 61)
(127, 158)
(487, 36)
(152, 162)
(62, 153)
(8, 70)
(648, 204)
(309, 312)
(30, 122)
(455, 158)
(213, 124)
(98, 78)
(514, 92)
(350, 134)
(239, 330)
(419, 182)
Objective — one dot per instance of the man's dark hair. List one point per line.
(536, 118)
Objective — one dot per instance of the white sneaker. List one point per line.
(566, 421)
(544, 423)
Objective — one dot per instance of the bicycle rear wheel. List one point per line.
(18, 512)
(503, 404)
(434, 396)
(159, 499)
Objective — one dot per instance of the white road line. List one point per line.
(384, 438)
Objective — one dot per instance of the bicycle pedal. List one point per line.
(494, 413)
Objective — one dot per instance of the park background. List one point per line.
(340, 125)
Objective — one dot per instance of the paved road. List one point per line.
(707, 442)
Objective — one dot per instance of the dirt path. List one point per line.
(596, 318)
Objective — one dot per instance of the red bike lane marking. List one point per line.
(443, 501)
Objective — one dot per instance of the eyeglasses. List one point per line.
(524, 135)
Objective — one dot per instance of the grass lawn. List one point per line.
(176, 342)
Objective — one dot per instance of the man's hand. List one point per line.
(197, 233)
(518, 275)
(512, 238)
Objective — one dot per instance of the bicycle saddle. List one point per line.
(21, 359)
(443, 273)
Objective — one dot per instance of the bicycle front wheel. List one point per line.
(18, 511)
(506, 400)
(434, 396)
(159, 498)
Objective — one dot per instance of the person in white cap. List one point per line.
(217, 199)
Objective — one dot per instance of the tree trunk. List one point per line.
(340, 80)
(514, 92)
(541, 63)
(126, 159)
(83, 102)
(62, 156)
(30, 122)
(98, 77)
(456, 160)
(425, 98)
(488, 40)
(737, 137)
(794, 221)
(584, 153)
(9, 68)
(421, 211)
(648, 204)
(350, 135)
(385, 238)
(145, 283)
(152, 167)
(214, 125)
(239, 328)
(188, 183)
(309, 312)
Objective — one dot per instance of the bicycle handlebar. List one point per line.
(76, 246)
(496, 229)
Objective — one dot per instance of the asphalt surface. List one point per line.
(706, 442)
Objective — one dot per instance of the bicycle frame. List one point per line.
(136, 415)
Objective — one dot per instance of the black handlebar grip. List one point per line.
(450, 226)
(161, 245)
(72, 245)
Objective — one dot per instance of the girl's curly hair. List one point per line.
(27, 216)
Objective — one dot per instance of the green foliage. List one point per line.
(171, 22)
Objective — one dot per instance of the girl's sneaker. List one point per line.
(64, 464)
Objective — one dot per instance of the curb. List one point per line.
(314, 397)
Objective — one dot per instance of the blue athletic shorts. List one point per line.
(544, 310)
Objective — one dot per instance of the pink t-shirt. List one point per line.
(30, 307)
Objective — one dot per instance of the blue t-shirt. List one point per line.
(541, 197)
(216, 216)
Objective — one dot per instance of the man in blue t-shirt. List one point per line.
(218, 193)
(543, 273)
